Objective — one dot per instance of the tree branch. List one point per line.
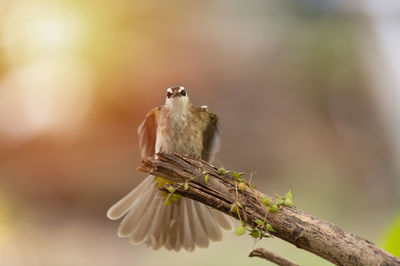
(272, 257)
(303, 230)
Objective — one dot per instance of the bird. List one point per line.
(181, 127)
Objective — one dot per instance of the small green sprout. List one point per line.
(168, 201)
(238, 176)
(255, 233)
(242, 186)
(234, 207)
(221, 170)
(289, 195)
(270, 228)
(279, 201)
(258, 222)
(170, 189)
(240, 230)
(266, 201)
(175, 197)
(274, 208)
(288, 202)
(206, 178)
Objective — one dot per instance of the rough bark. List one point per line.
(303, 230)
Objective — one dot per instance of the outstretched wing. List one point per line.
(148, 133)
(211, 133)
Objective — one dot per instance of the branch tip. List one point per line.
(272, 257)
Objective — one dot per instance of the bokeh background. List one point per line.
(308, 94)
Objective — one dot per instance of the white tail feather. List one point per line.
(130, 221)
(212, 229)
(173, 237)
(140, 233)
(224, 221)
(156, 224)
(183, 224)
(200, 237)
(189, 241)
(120, 208)
(165, 228)
(185, 236)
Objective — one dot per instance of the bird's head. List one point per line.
(177, 98)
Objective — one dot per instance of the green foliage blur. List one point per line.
(391, 242)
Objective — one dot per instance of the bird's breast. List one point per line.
(179, 134)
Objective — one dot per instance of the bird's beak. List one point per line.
(176, 94)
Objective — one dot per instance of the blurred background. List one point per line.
(308, 94)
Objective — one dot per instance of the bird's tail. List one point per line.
(182, 224)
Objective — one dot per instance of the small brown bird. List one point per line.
(177, 126)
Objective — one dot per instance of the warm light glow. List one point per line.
(52, 34)
(35, 31)
(45, 96)
(48, 87)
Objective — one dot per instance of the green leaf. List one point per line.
(253, 186)
(270, 228)
(279, 201)
(238, 174)
(234, 207)
(175, 197)
(170, 189)
(221, 170)
(289, 195)
(274, 208)
(288, 202)
(206, 178)
(240, 230)
(242, 186)
(254, 233)
(168, 201)
(186, 186)
(266, 201)
(258, 222)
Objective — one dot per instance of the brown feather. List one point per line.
(211, 133)
(148, 133)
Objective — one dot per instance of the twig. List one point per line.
(303, 230)
(272, 257)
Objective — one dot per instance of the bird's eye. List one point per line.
(183, 93)
(169, 94)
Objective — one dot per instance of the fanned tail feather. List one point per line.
(183, 224)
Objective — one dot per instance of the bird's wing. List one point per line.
(148, 133)
(211, 133)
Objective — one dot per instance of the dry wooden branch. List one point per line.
(303, 230)
(272, 257)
